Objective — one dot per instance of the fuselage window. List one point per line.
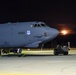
(36, 25)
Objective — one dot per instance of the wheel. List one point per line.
(16, 50)
(0, 52)
(4, 51)
(65, 53)
(56, 53)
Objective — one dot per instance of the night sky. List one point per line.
(60, 14)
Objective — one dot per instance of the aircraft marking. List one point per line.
(28, 32)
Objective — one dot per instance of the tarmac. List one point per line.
(39, 64)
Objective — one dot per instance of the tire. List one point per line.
(56, 53)
(0, 52)
(65, 53)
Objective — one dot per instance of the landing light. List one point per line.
(64, 32)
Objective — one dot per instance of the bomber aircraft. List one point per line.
(25, 34)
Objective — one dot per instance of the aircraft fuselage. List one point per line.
(25, 34)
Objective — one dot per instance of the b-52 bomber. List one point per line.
(25, 34)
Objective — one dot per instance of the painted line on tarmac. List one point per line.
(20, 74)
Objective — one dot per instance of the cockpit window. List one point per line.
(38, 25)
(43, 25)
(35, 25)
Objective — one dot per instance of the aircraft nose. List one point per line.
(55, 32)
(52, 32)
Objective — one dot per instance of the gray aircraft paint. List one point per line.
(23, 34)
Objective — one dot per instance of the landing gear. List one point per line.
(8, 51)
(5, 51)
(19, 51)
(0, 52)
(42, 47)
(61, 50)
(16, 50)
(65, 53)
(55, 52)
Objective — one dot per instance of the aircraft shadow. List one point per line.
(24, 55)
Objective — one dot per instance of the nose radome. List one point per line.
(53, 32)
